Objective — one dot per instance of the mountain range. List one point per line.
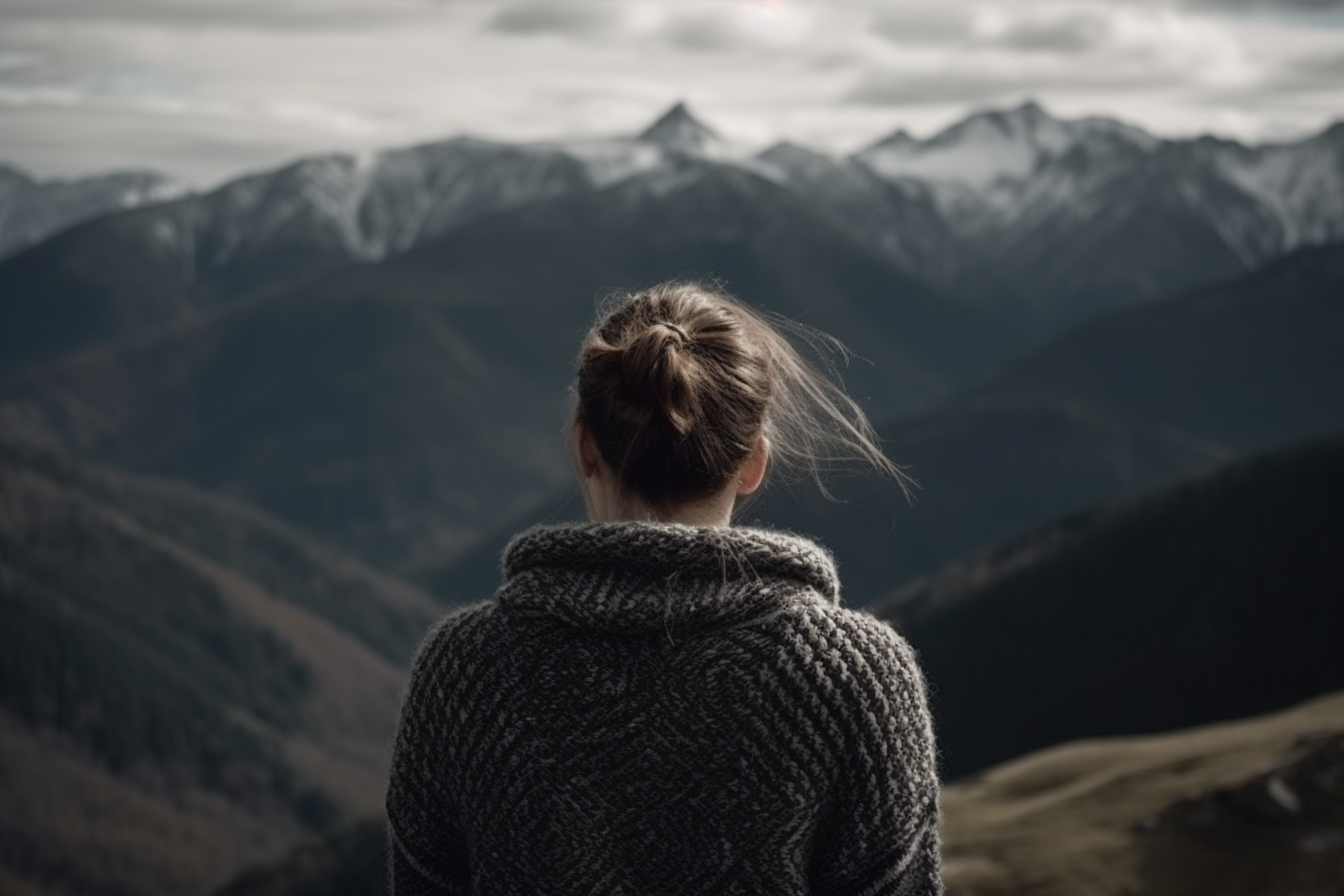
(400, 392)
(401, 408)
(32, 210)
(1050, 220)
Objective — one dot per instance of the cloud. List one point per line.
(554, 18)
(1323, 72)
(978, 87)
(701, 34)
(1029, 48)
(263, 14)
(747, 29)
(932, 24)
(209, 87)
(1062, 30)
(1290, 5)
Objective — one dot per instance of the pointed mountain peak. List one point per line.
(1029, 111)
(1027, 118)
(781, 148)
(898, 139)
(680, 131)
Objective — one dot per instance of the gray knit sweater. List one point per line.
(652, 708)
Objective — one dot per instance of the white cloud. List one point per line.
(540, 17)
(210, 87)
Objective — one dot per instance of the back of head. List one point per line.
(678, 383)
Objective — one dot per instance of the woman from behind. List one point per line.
(658, 701)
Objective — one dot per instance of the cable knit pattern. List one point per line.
(653, 708)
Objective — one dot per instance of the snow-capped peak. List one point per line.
(994, 146)
(680, 131)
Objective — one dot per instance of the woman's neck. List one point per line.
(604, 506)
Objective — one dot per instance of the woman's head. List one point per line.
(680, 386)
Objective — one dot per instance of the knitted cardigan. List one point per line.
(652, 708)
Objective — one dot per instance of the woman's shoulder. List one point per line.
(870, 646)
(456, 632)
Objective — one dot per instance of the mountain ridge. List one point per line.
(1087, 214)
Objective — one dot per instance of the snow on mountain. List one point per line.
(1071, 216)
(993, 147)
(367, 208)
(612, 160)
(900, 218)
(1004, 205)
(1301, 184)
(416, 194)
(32, 210)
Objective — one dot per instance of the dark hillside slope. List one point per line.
(124, 275)
(1247, 364)
(102, 281)
(986, 472)
(1216, 598)
(193, 675)
(1125, 403)
(401, 410)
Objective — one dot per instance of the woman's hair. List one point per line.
(677, 382)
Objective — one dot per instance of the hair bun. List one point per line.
(661, 376)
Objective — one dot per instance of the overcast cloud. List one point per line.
(206, 89)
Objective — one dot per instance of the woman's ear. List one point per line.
(585, 451)
(753, 471)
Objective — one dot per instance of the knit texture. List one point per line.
(653, 708)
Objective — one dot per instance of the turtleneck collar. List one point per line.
(638, 576)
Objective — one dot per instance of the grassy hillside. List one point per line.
(178, 670)
(1216, 598)
(1248, 808)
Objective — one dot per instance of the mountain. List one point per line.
(1110, 409)
(1252, 804)
(995, 151)
(125, 275)
(1139, 616)
(1248, 364)
(185, 685)
(899, 218)
(32, 210)
(1066, 218)
(681, 132)
(1048, 221)
(401, 409)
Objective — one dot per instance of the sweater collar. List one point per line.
(637, 576)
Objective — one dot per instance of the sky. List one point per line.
(205, 90)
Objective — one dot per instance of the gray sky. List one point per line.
(207, 89)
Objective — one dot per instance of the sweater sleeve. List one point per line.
(883, 839)
(427, 851)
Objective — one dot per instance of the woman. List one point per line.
(657, 701)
